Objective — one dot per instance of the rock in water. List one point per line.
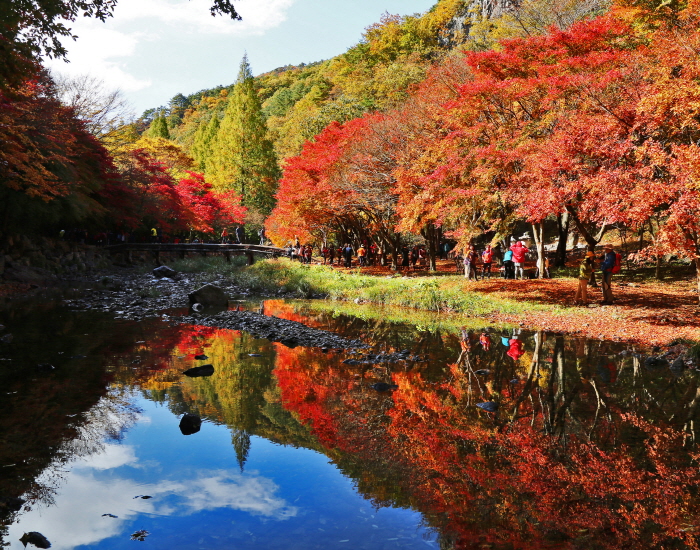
(209, 296)
(678, 365)
(37, 539)
(383, 386)
(201, 357)
(164, 271)
(190, 424)
(204, 370)
(655, 363)
(488, 406)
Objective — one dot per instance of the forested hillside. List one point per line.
(474, 121)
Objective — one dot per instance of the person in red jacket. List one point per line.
(519, 250)
(486, 259)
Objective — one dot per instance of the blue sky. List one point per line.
(153, 49)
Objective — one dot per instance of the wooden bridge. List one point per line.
(227, 250)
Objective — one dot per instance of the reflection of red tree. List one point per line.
(514, 485)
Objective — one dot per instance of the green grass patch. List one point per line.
(439, 294)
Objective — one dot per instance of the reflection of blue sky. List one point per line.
(77, 518)
(202, 500)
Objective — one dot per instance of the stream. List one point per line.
(427, 436)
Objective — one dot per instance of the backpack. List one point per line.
(618, 263)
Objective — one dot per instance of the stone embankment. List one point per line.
(41, 261)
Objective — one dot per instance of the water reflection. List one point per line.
(587, 444)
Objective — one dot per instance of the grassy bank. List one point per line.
(438, 294)
(645, 311)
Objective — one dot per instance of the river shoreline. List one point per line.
(644, 313)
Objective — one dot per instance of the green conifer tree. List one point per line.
(243, 157)
(159, 128)
(204, 141)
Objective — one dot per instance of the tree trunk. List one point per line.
(697, 273)
(538, 232)
(657, 269)
(429, 233)
(563, 231)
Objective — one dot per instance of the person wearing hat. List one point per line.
(584, 274)
(606, 267)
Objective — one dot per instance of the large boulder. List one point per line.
(209, 296)
(164, 271)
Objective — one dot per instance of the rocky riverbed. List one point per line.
(137, 296)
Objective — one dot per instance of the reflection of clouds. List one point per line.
(223, 489)
(113, 456)
(77, 517)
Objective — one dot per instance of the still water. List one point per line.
(581, 444)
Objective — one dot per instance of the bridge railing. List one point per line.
(203, 248)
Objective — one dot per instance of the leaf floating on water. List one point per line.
(109, 515)
(141, 535)
(37, 539)
(482, 372)
(254, 355)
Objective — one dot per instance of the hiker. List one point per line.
(470, 258)
(508, 267)
(308, 253)
(519, 250)
(608, 268)
(347, 254)
(584, 273)
(240, 234)
(405, 258)
(486, 259)
(362, 255)
(261, 234)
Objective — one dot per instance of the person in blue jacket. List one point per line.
(606, 267)
(509, 266)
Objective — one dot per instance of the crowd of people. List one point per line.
(365, 255)
(512, 262)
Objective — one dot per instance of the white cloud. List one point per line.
(101, 52)
(194, 16)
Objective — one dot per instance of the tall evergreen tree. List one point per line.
(159, 128)
(204, 142)
(243, 157)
